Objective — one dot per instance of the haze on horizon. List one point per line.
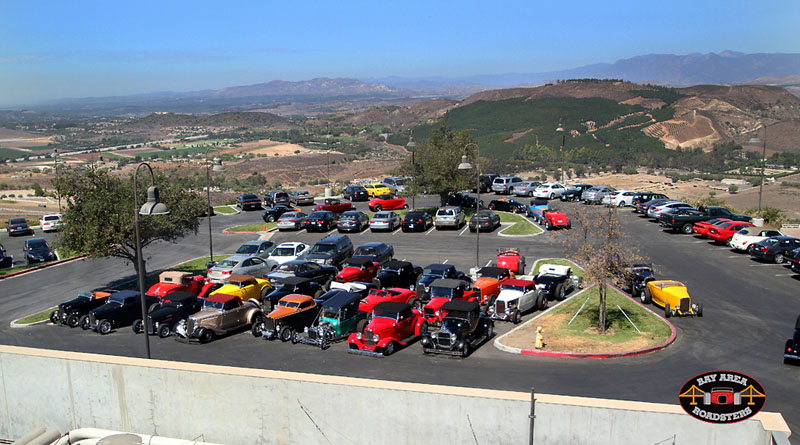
(52, 50)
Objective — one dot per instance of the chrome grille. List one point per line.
(92, 320)
(685, 305)
(368, 338)
(429, 312)
(269, 324)
(444, 339)
(500, 307)
(190, 325)
(312, 334)
(149, 324)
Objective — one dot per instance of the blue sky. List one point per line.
(57, 49)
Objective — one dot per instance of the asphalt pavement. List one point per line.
(749, 312)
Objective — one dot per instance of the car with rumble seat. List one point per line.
(292, 314)
(221, 314)
(462, 330)
(556, 281)
(339, 317)
(71, 311)
(120, 310)
(673, 297)
(516, 296)
(246, 287)
(392, 325)
(392, 294)
(171, 281)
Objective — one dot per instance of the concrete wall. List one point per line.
(246, 406)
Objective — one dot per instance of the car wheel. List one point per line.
(687, 229)
(699, 310)
(270, 218)
(73, 320)
(389, 349)
(646, 297)
(104, 327)
(164, 331)
(779, 258)
(517, 317)
(206, 336)
(548, 225)
(552, 195)
(296, 338)
(423, 328)
(416, 304)
(327, 284)
(465, 351)
(667, 311)
(542, 302)
(258, 329)
(286, 333)
(317, 294)
(137, 326)
(84, 322)
(152, 307)
(378, 208)
(490, 330)
(621, 204)
(561, 294)
(361, 325)
(55, 316)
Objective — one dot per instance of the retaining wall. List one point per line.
(248, 406)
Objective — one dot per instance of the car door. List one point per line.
(232, 315)
(259, 267)
(131, 310)
(300, 251)
(245, 267)
(528, 299)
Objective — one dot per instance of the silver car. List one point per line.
(260, 248)
(502, 185)
(292, 221)
(386, 220)
(594, 195)
(300, 197)
(240, 264)
(525, 188)
(449, 217)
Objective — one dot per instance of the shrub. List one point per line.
(630, 170)
(733, 188)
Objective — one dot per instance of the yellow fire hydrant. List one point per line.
(539, 338)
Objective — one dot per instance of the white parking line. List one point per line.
(396, 230)
(445, 260)
(431, 230)
(784, 274)
(761, 265)
(462, 232)
(488, 263)
(331, 231)
(735, 256)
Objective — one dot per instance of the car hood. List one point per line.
(483, 282)
(676, 292)
(229, 289)
(379, 325)
(547, 280)
(161, 313)
(427, 279)
(436, 303)
(508, 295)
(280, 312)
(161, 289)
(350, 272)
(105, 310)
(319, 256)
(76, 302)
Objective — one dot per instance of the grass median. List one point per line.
(224, 210)
(521, 225)
(259, 227)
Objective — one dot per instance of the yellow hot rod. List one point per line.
(673, 297)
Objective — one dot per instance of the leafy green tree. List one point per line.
(37, 189)
(99, 214)
(436, 163)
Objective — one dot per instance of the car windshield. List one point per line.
(84, 295)
(382, 215)
(249, 197)
(51, 218)
(320, 215)
(484, 214)
(365, 251)
(385, 314)
(770, 241)
(434, 272)
(117, 299)
(227, 264)
(512, 287)
(348, 216)
(454, 324)
(287, 267)
(445, 212)
(16, 221)
(247, 248)
(238, 284)
(289, 304)
(322, 248)
(37, 244)
(283, 251)
(330, 312)
(213, 305)
(414, 215)
(442, 292)
(399, 181)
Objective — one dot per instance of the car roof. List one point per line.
(451, 283)
(383, 214)
(241, 278)
(221, 298)
(396, 264)
(240, 257)
(255, 241)
(518, 282)
(125, 293)
(294, 281)
(460, 305)
(493, 271)
(437, 266)
(342, 299)
(180, 296)
(391, 306)
(296, 298)
(290, 244)
(358, 260)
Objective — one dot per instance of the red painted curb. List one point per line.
(241, 233)
(41, 267)
(596, 355)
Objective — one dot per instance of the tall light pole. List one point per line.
(210, 209)
(465, 165)
(328, 144)
(153, 206)
(412, 147)
(560, 129)
(55, 153)
(754, 140)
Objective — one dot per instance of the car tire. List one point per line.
(548, 225)
(317, 294)
(646, 297)
(73, 320)
(152, 307)
(206, 336)
(138, 326)
(552, 196)
(686, 229)
(415, 304)
(490, 330)
(699, 310)
(84, 322)
(270, 218)
(361, 325)
(258, 329)
(389, 349)
(164, 331)
(286, 334)
(377, 208)
(779, 258)
(327, 285)
(542, 302)
(104, 327)
(621, 204)
(55, 317)
(465, 351)
(517, 317)
(667, 311)
(560, 293)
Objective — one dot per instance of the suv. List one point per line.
(248, 201)
(503, 184)
(395, 184)
(331, 250)
(449, 217)
(486, 181)
(275, 197)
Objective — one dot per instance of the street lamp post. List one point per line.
(210, 209)
(754, 140)
(465, 165)
(328, 143)
(153, 206)
(560, 129)
(412, 146)
(55, 153)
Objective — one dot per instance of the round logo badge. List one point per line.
(722, 397)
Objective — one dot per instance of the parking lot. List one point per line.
(749, 309)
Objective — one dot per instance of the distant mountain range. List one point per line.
(325, 95)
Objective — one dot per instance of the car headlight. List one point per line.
(438, 313)
(512, 304)
(375, 338)
(358, 336)
(305, 330)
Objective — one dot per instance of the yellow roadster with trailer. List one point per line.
(673, 297)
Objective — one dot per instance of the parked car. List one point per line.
(743, 239)
(339, 317)
(358, 269)
(331, 250)
(276, 197)
(643, 207)
(385, 220)
(655, 212)
(573, 192)
(554, 219)
(485, 220)
(461, 199)
(71, 311)
(274, 213)
(525, 188)
(51, 223)
(18, 226)
(452, 217)
(623, 198)
(516, 296)
(672, 296)
(290, 251)
(462, 330)
(377, 189)
(771, 249)
(293, 286)
(301, 197)
(608, 197)
(352, 221)
(245, 287)
(320, 221)
(508, 205)
(396, 273)
(387, 202)
(556, 281)
(240, 265)
(221, 314)
(320, 273)
(643, 197)
(549, 190)
(395, 183)
(171, 281)
(511, 259)
(6, 260)
(701, 228)
(37, 250)
(485, 181)
(259, 248)
(685, 218)
(120, 310)
(292, 314)
(334, 205)
(791, 352)
(594, 195)
(392, 294)
(487, 283)
(248, 201)
(292, 221)
(442, 291)
(417, 221)
(536, 209)
(723, 232)
(502, 184)
(392, 325)
(377, 252)
(356, 193)
(432, 272)
(163, 316)
(634, 278)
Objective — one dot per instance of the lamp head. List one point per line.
(153, 206)
(464, 165)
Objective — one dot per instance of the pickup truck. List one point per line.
(682, 220)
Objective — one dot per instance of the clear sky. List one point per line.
(57, 49)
